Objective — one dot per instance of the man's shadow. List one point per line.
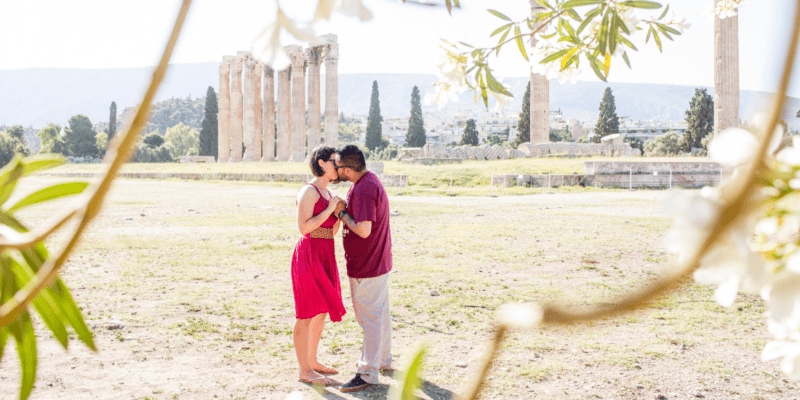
(429, 389)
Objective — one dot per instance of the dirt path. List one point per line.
(187, 288)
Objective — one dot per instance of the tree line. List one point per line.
(79, 140)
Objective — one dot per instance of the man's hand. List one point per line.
(339, 207)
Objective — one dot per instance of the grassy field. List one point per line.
(469, 178)
(197, 275)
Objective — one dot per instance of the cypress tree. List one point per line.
(470, 136)
(524, 124)
(80, 137)
(112, 121)
(374, 134)
(607, 122)
(415, 137)
(209, 130)
(699, 119)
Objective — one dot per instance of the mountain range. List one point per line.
(36, 97)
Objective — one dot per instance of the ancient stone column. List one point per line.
(236, 110)
(726, 73)
(540, 93)
(298, 57)
(268, 109)
(314, 55)
(224, 112)
(249, 122)
(257, 108)
(283, 106)
(331, 91)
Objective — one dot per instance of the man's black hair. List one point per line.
(351, 156)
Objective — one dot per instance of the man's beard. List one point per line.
(338, 180)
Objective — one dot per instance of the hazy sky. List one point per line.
(402, 38)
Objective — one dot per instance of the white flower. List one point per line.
(519, 315)
(445, 92)
(727, 8)
(350, 8)
(733, 147)
(502, 100)
(267, 46)
(630, 19)
(790, 351)
(678, 21)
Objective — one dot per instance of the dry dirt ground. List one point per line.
(188, 290)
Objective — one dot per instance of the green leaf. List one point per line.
(621, 24)
(520, 43)
(42, 162)
(554, 56)
(596, 69)
(9, 176)
(649, 31)
(569, 29)
(50, 193)
(565, 61)
(500, 29)
(548, 36)
(579, 3)
(574, 14)
(44, 303)
(22, 329)
(484, 95)
(625, 57)
(3, 340)
(650, 5)
(657, 39)
(612, 35)
(503, 38)
(627, 42)
(466, 44)
(409, 380)
(664, 14)
(495, 85)
(589, 17)
(569, 39)
(667, 28)
(498, 14)
(449, 6)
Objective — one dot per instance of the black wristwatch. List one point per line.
(341, 213)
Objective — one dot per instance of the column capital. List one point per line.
(298, 58)
(237, 63)
(225, 67)
(536, 6)
(331, 52)
(314, 54)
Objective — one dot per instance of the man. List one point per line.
(368, 253)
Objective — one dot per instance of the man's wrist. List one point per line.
(342, 214)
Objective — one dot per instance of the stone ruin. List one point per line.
(610, 146)
(248, 110)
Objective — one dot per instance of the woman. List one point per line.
(315, 276)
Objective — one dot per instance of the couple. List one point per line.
(367, 252)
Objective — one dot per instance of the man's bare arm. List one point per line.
(362, 229)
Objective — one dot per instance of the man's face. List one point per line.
(340, 171)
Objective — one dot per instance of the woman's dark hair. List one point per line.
(351, 156)
(323, 153)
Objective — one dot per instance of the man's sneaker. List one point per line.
(355, 385)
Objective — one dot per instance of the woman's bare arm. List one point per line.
(306, 220)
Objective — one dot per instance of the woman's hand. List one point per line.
(340, 206)
(333, 203)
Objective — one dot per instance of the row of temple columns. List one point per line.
(249, 110)
(726, 80)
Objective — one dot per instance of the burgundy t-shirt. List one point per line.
(371, 256)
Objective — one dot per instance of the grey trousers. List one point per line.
(371, 305)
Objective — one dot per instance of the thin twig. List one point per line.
(119, 153)
(20, 241)
(494, 346)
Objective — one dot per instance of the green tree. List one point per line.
(607, 122)
(664, 145)
(559, 135)
(470, 136)
(153, 140)
(494, 139)
(208, 133)
(17, 132)
(112, 122)
(8, 148)
(181, 140)
(524, 125)
(51, 141)
(373, 140)
(699, 120)
(80, 138)
(101, 142)
(415, 137)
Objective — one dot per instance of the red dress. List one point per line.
(315, 276)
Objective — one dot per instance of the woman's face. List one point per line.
(329, 167)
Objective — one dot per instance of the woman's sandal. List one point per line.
(318, 381)
(326, 371)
